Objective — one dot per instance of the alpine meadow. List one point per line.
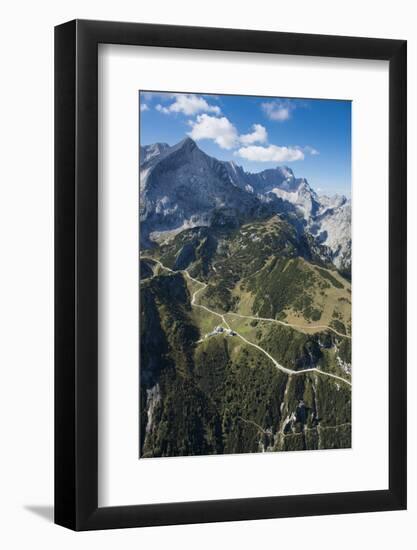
(245, 274)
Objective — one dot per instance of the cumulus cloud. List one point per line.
(311, 150)
(279, 110)
(143, 107)
(259, 135)
(271, 153)
(219, 129)
(188, 104)
(224, 133)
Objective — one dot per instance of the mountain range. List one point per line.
(182, 187)
(245, 308)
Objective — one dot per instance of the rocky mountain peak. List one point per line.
(183, 187)
(188, 144)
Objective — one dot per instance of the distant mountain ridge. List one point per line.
(183, 187)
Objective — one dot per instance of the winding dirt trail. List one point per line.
(306, 327)
(221, 316)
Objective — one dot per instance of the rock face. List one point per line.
(147, 152)
(182, 187)
(332, 227)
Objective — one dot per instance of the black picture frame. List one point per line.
(76, 272)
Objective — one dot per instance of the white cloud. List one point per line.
(311, 150)
(220, 130)
(143, 107)
(259, 135)
(278, 110)
(272, 153)
(188, 104)
(224, 133)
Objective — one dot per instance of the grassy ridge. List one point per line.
(263, 268)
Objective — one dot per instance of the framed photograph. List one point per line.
(230, 275)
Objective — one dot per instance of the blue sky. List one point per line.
(311, 136)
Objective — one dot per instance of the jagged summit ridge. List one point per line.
(182, 187)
